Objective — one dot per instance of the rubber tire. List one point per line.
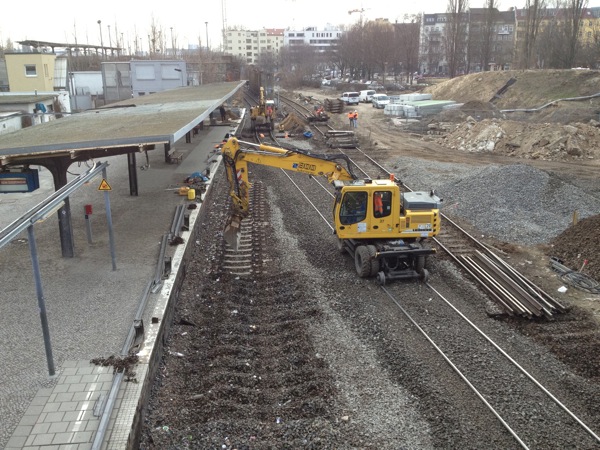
(340, 246)
(362, 261)
(419, 263)
(374, 262)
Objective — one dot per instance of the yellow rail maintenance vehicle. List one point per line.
(262, 117)
(385, 230)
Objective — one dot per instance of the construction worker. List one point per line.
(355, 119)
(351, 119)
(377, 204)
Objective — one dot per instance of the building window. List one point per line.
(30, 70)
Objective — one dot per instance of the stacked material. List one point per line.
(333, 105)
(341, 139)
(420, 108)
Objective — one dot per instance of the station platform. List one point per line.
(90, 305)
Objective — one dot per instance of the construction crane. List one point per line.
(361, 11)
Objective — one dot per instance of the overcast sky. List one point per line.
(70, 20)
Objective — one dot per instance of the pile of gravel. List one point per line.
(515, 203)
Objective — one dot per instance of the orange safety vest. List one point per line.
(350, 115)
(378, 204)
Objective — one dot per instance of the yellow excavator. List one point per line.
(385, 230)
(262, 116)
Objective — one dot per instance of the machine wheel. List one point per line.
(381, 278)
(362, 261)
(424, 275)
(419, 264)
(340, 246)
(374, 262)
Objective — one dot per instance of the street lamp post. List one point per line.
(101, 41)
(109, 40)
(206, 23)
(172, 44)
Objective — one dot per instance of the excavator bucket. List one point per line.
(233, 232)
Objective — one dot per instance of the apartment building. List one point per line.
(489, 39)
(249, 45)
(432, 52)
(322, 40)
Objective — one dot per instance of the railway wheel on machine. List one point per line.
(374, 262)
(362, 261)
(340, 246)
(419, 264)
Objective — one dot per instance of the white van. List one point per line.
(350, 98)
(380, 100)
(365, 96)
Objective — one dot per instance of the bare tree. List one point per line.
(573, 17)
(551, 44)
(379, 46)
(456, 36)
(534, 10)
(487, 33)
(407, 45)
(156, 39)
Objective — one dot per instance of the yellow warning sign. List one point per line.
(104, 186)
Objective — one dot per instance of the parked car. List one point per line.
(350, 98)
(380, 100)
(365, 96)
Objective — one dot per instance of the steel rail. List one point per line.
(456, 369)
(517, 365)
(486, 337)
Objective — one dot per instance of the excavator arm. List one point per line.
(236, 161)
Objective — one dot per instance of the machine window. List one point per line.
(382, 204)
(354, 208)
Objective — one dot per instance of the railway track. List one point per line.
(524, 407)
(279, 378)
(510, 290)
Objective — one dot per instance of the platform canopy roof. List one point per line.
(160, 118)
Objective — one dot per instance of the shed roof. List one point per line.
(25, 99)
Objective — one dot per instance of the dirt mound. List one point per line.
(530, 88)
(586, 235)
(545, 141)
(533, 96)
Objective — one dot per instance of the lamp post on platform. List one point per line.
(206, 23)
(101, 41)
(109, 40)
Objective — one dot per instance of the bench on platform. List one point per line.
(175, 157)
